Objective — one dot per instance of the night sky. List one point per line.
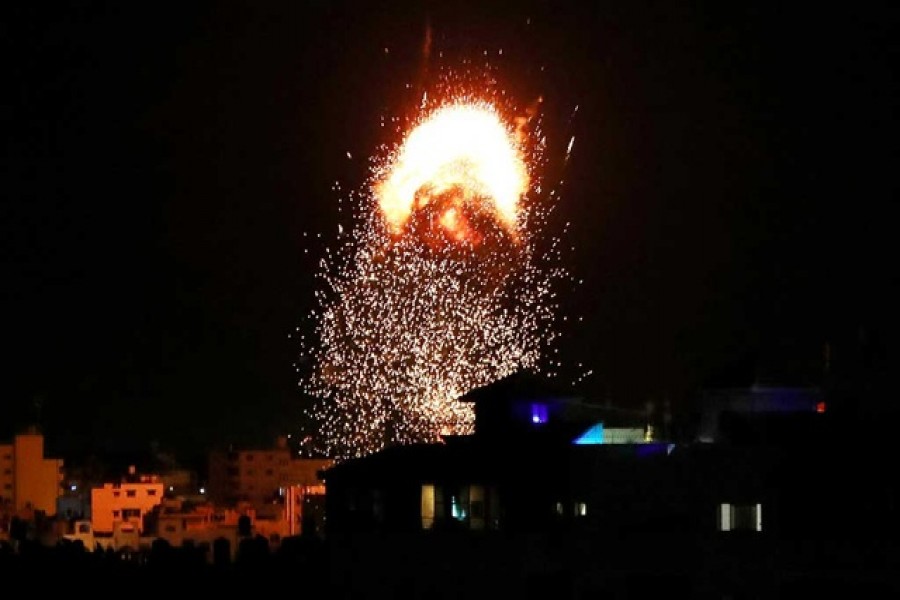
(728, 192)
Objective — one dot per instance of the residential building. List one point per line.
(538, 501)
(129, 500)
(757, 410)
(29, 481)
(260, 476)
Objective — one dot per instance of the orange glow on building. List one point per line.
(28, 481)
(260, 475)
(125, 501)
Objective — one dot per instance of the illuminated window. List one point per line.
(580, 509)
(457, 509)
(740, 517)
(427, 506)
(559, 508)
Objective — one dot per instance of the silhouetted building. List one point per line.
(538, 494)
(760, 413)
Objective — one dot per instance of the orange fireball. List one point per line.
(457, 165)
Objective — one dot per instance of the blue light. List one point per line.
(594, 435)
(653, 448)
(539, 413)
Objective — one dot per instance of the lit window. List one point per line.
(559, 508)
(580, 509)
(740, 517)
(427, 506)
(457, 510)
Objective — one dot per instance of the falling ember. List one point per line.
(437, 289)
(463, 150)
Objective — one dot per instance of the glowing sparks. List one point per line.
(437, 288)
(465, 148)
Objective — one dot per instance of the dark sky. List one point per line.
(728, 192)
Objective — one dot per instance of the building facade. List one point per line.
(28, 480)
(127, 501)
(260, 476)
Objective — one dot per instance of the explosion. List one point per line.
(437, 288)
(462, 151)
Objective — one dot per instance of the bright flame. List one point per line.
(410, 316)
(464, 149)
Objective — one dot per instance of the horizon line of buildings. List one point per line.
(280, 494)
